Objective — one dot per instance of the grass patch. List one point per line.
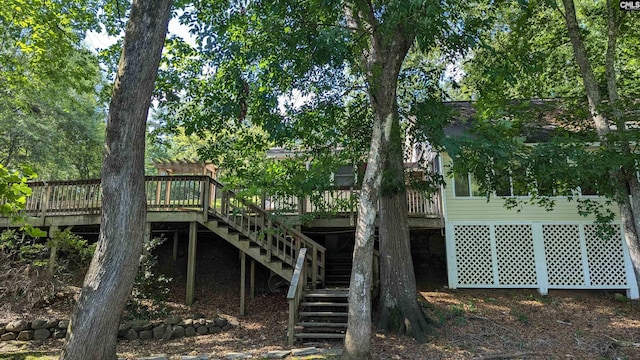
(30, 356)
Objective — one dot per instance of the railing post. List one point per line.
(314, 267)
(44, 204)
(158, 192)
(206, 200)
(269, 237)
(352, 219)
(167, 193)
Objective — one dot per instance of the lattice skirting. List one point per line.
(538, 255)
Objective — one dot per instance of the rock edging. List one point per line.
(173, 327)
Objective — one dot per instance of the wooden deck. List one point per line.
(195, 198)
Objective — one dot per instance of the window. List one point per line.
(344, 176)
(466, 186)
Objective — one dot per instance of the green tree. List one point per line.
(92, 332)
(48, 85)
(344, 59)
(584, 56)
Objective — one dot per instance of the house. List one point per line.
(480, 242)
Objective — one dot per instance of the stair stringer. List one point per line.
(255, 252)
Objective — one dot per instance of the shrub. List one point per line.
(150, 288)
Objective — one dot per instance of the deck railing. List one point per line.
(189, 193)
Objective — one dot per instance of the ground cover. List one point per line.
(468, 324)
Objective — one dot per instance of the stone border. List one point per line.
(173, 327)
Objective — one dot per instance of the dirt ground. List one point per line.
(468, 324)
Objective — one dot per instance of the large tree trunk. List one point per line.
(626, 178)
(398, 308)
(382, 60)
(92, 333)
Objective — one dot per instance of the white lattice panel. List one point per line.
(516, 260)
(563, 254)
(473, 254)
(606, 257)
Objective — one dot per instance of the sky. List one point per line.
(98, 41)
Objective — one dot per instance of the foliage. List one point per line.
(24, 261)
(49, 83)
(526, 54)
(150, 288)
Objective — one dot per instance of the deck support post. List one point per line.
(243, 276)
(54, 252)
(175, 246)
(191, 261)
(252, 279)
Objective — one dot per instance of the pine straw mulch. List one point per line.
(468, 324)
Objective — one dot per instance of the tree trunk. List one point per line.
(398, 309)
(626, 178)
(92, 333)
(382, 60)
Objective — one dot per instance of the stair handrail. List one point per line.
(297, 238)
(295, 292)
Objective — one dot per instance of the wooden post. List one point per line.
(191, 261)
(206, 198)
(175, 245)
(243, 271)
(54, 251)
(269, 238)
(314, 267)
(252, 279)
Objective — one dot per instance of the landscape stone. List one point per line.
(17, 326)
(173, 319)
(200, 322)
(25, 335)
(168, 333)
(51, 324)
(59, 333)
(131, 335)
(226, 327)
(63, 324)
(190, 331)
(178, 332)
(141, 325)
(332, 352)
(220, 321)
(122, 330)
(188, 322)
(38, 324)
(278, 354)
(41, 334)
(202, 330)
(2, 328)
(234, 355)
(8, 336)
(197, 357)
(304, 351)
(146, 334)
(158, 331)
(233, 322)
(214, 330)
(156, 357)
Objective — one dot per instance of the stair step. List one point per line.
(323, 313)
(317, 294)
(311, 304)
(307, 324)
(319, 336)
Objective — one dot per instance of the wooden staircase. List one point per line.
(259, 235)
(323, 314)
